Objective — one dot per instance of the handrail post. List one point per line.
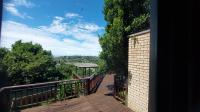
(114, 85)
(5, 101)
(88, 86)
(55, 91)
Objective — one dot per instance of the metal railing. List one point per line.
(120, 88)
(75, 76)
(22, 96)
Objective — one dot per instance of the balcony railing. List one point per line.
(17, 97)
(120, 88)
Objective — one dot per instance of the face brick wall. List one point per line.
(138, 66)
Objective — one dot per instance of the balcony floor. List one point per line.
(101, 101)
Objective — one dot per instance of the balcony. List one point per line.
(90, 94)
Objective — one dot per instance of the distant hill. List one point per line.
(75, 59)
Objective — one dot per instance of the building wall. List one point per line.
(138, 66)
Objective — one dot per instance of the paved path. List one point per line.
(101, 101)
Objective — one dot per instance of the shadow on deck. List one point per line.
(101, 101)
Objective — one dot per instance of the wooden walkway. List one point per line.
(101, 101)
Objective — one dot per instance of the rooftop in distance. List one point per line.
(86, 65)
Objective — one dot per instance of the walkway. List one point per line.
(101, 101)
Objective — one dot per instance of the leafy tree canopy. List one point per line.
(123, 18)
(3, 67)
(29, 63)
(66, 70)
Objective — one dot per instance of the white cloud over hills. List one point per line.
(66, 35)
(77, 39)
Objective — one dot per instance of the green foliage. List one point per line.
(102, 66)
(3, 52)
(3, 67)
(66, 70)
(123, 17)
(139, 23)
(29, 63)
(65, 65)
(76, 59)
(67, 90)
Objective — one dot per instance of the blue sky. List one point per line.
(66, 27)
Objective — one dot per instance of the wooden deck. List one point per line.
(101, 101)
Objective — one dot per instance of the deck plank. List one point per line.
(101, 101)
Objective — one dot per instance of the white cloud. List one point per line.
(29, 17)
(13, 31)
(58, 18)
(89, 27)
(62, 36)
(56, 26)
(25, 3)
(12, 8)
(72, 15)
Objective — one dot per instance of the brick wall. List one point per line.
(138, 66)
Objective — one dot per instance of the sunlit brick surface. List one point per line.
(138, 66)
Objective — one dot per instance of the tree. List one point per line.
(123, 18)
(29, 63)
(3, 68)
(101, 67)
(66, 70)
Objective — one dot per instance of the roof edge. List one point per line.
(139, 33)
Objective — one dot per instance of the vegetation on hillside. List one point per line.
(123, 18)
(66, 70)
(76, 59)
(3, 67)
(29, 63)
